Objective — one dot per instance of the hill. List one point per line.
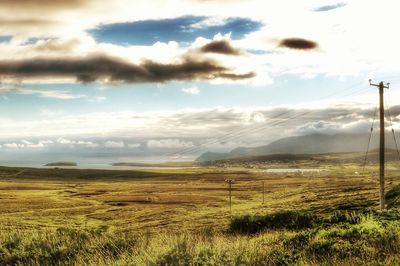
(62, 164)
(308, 144)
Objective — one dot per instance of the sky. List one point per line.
(166, 80)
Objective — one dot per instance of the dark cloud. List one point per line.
(104, 68)
(42, 4)
(329, 7)
(30, 18)
(237, 76)
(298, 43)
(27, 22)
(221, 47)
(51, 45)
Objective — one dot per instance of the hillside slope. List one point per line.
(308, 144)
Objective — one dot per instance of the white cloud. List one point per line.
(36, 145)
(199, 130)
(191, 90)
(47, 141)
(209, 22)
(134, 145)
(98, 99)
(169, 143)
(51, 113)
(25, 144)
(258, 117)
(73, 143)
(346, 46)
(13, 145)
(184, 123)
(114, 144)
(359, 125)
(54, 94)
(89, 144)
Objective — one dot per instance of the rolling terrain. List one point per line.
(308, 144)
(180, 216)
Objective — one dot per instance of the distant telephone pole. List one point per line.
(263, 192)
(381, 143)
(230, 182)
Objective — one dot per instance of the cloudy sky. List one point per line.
(159, 80)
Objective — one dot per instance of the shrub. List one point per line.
(292, 220)
(283, 258)
(345, 217)
(393, 197)
(62, 247)
(187, 251)
(300, 239)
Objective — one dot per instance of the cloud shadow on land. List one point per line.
(298, 44)
(114, 70)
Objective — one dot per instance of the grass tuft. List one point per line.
(292, 220)
(393, 197)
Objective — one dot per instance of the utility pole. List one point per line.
(381, 142)
(263, 191)
(230, 182)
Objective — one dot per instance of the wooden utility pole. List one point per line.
(230, 182)
(263, 190)
(381, 142)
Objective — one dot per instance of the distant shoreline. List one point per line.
(159, 165)
(91, 165)
(62, 164)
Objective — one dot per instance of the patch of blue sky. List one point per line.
(33, 40)
(286, 90)
(259, 52)
(182, 30)
(5, 38)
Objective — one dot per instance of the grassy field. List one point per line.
(181, 216)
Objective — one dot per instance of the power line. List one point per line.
(243, 133)
(231, 135)
(392, 129)
(234, 135)
(369, 140)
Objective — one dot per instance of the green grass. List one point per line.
(393, 197)
(290, 220)
(181, 217)
(370, 241)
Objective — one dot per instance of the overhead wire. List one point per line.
(254, 130)
(369, 140)
(239, 134)
(245, 130)
(273, 124)
(392, 130)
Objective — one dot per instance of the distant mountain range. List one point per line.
(308, 144)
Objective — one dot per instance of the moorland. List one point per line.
(182, 217)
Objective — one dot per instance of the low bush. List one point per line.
(351, 217)
(61, 247)
(292, 220)
(393, 197)
(301, 239)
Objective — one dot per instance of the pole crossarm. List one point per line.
(379, 84)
